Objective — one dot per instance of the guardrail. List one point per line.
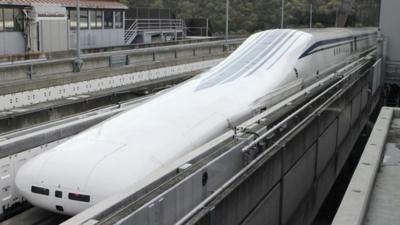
(156, 24)
(140, 26)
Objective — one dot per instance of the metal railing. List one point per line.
(151, 25)
(131, 32)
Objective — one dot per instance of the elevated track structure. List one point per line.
(44, 88)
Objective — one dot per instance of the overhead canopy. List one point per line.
(92, 4)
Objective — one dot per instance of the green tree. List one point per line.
(254, 15)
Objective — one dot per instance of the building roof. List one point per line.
(93, 4)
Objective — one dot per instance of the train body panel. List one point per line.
(127, 148)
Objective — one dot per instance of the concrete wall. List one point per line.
(98, 38)
(389, 25)
(12, 43)
(53, 35)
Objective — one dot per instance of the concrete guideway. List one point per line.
(116, 62)
(53, 92)
(83, 96)
(143, 67)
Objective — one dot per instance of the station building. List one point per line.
(29, 26)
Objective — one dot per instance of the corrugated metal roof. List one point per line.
(101, 4)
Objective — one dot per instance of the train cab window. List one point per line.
(58, 194)
(40, 190)
(79, 197)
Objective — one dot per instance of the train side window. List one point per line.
(79, 197)
(40, 190)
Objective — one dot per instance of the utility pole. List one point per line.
(311, 15)
(78, 61)
(207, 27)
(336, 20)
(227, 22)
(282, 14)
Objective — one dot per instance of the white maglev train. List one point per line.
(123, 150)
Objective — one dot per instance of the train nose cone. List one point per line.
(29, 187)
(58, 178)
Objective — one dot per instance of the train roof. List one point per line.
(327, 33)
